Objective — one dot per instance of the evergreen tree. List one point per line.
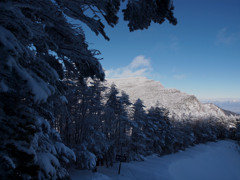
(138, 138)
(170, 138)
(237, 134)
(29, 146)
(111, 122)
(92, 144)
(124, 125)
(155, 129)
(140, 13)
(37, 44)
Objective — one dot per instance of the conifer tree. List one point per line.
(37, 45)
(138, 138)
(124, 124)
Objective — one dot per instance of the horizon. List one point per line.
(199, 56)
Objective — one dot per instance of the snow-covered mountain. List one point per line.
(178, 103)
(228, 104)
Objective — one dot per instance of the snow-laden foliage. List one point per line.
(85, 159)
(238, 130)
(138, 137)
(36, 46)
(151, 11)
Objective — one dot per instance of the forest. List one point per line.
(55, 110)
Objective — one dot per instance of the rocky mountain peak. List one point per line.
(180, 104)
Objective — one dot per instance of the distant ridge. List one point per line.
(230, 104)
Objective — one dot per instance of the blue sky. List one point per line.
(199, 56)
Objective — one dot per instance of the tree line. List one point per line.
(100, 122)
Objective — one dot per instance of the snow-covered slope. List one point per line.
(227, 104)
(203, 162)
(178, 103)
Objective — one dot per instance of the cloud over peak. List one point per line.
(139, 67)
(140, 61)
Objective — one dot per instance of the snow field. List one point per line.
(212, 161)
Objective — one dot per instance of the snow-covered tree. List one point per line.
(140, 13)
(122, 125)
(111, 122)
(156, 129)
(184, 134)
(29, 146)
(38, 47)
(90, 142)
(237, 133)
(111, 111)
(138, 138)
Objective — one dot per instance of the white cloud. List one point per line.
(174, 43)
(139, 67)
(179, 76)
(224, 37)
(140, 61)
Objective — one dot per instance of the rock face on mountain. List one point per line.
(180, 105)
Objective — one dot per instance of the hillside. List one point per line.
(180, 104)
(230, 104)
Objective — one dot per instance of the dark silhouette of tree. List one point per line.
(41, 53)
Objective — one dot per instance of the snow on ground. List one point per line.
(214, 160)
